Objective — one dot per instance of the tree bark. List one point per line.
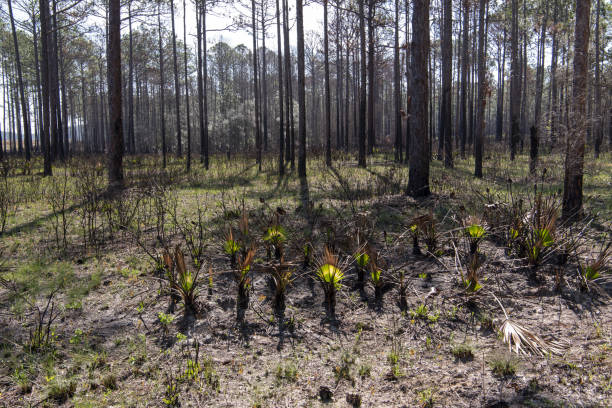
(161, 86)
(371, 80)
(115, 153)
(24, 101)
(177, 89)
(281, 136)
(187, 108)
(397, 88)
(328, 159)
(515, 84)
(598, 122)
(482, 92)
(418, 182)
(447, 66)
(574, 153)
(362, 94)
(131, 144)
(256, 86)
(301, 89)
(44, 35)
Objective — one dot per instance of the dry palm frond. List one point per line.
(329, 257)
(522, 340)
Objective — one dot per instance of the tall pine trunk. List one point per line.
(362, 86)
(301, 89)
(515, 84)
(482, 90)
(281, 114)
(24, 101)
(574, 151)
(328, 161)
(115, 152)
(177, 89)
(418, 182)
(447, 78)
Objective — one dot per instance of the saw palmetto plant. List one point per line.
(474, 233)
(183, 282)
(593, 270)
(242, 278)
(539, 238)
(469, 269)
(414, 233)
(231, 247)
(377, 282)
(281, 275)
(471, 281)
(330, 273)
(275, 238)
(424, 226)
(362, 260)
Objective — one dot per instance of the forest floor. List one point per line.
(111, 337)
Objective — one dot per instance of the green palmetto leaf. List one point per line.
(472, 285)
(375, 275)
(231, 247)
(331, 275)
(514, 233)
(475, 231)
(275, 235)
(544, 237)
(362, 259)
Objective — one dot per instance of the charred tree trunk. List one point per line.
(482, 92)
(418, 182)
(447, 78)
(397, 88)
(574, 153)
(301, 89)
(328, 158)
(162, 86)
(177, 89)
(115, 152)
(515, 84)
(24, 101)
(281, 136)
(362, 87)
(45, 35)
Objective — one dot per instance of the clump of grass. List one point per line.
(61, 391)
(503, 366)
(426, 398)
(365, 370)
(343, 370)
(463, 351)
(287, 372)
(109, 382)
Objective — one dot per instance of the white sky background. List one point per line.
(217, 17)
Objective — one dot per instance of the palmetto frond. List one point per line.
(521, 340)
